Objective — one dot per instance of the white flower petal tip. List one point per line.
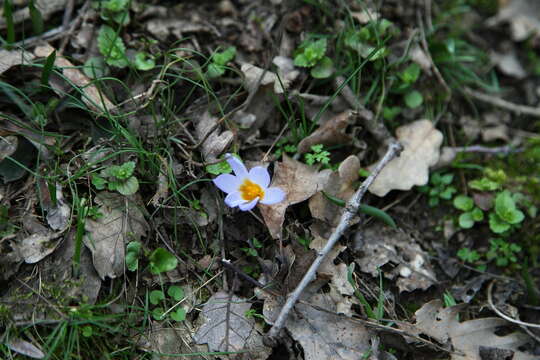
(273, 196)
(245, 189)
(236, 165)
(227, 183)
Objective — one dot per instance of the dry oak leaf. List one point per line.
(106, 237)
(331, 132)
(299, 181)
(467, 337)
(421, 149)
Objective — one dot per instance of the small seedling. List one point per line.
(311, 54)
(365, 41)
(144, 61)
(506, 215)
(117, 178)
(439, 188)
(252, 251)
(114, 10)
(133, 250)
(503, 252)
(318, 154)
(469, 256)
(252, 313)
(112, 47)
(218, 62)
(175, 293)
(491, 181)
(471, 213)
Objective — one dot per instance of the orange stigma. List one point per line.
(250, 190)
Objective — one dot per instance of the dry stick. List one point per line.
(503, 104)
(350, 211)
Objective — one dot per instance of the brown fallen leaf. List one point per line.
(383, 246)
(331, 132)
(13, 58)
(46, 9)
(37, 246)
(442, 324)
(106, 237)
(421, 149)
(214, 143)
(338, 184)
(324, 335)
(92, 97)
(24, 347)
(299, 181)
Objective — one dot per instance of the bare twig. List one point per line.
(503, 104)
(350, 211)
(503, 315)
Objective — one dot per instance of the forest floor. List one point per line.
(124, 125)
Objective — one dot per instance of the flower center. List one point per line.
(250, 190)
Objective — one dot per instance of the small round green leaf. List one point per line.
(179, 315)
(128, 187)
(161, 261)
(414, 99)
(132, 255)
(144, 62)
(157, 313)
(497, 225)
(323, 69)
(466, 221)
(156, 296)
(176, 292)
(463, 203)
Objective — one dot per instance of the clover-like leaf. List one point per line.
(176, 292)
(179, 315)
(158, 313)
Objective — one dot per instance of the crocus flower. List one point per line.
(247, 188)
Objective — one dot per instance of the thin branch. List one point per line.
(503, 104)
(350, 211)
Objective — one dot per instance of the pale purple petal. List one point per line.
(238, 166)
(234, 199)
(273, 195)
(227, 182)
(250, 205)
(259, 176)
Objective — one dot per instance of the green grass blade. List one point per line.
(10, 24)
(35, 16)
(47, 69)
(366, 209)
